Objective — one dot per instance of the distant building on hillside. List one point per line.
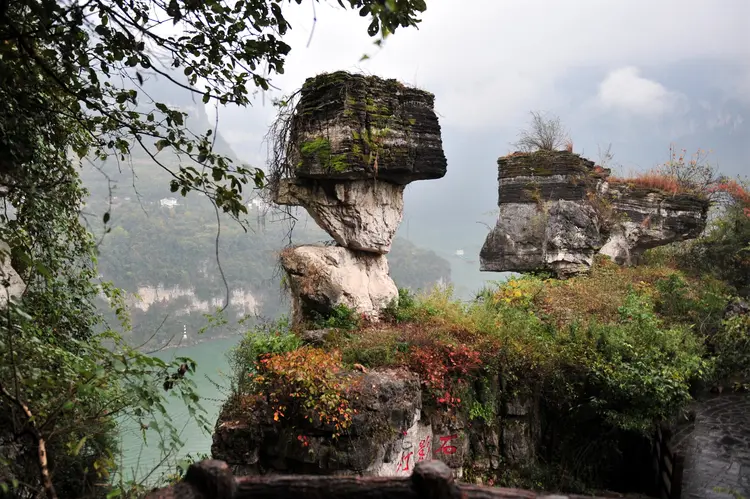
(168, 202)
(257, 204)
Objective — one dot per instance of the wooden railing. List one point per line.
(669, 466)
(430, 480)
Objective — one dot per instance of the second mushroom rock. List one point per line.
(558, 210)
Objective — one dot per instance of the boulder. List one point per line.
(557, 210)
(352, 126)
(561, 235)
(545, 220)
(322, 278)
(359, 214)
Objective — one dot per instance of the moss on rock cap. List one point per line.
(352, 126)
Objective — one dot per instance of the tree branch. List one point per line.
(49, 488)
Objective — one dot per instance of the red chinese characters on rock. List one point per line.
(425, 449)
(403, 464)
(444, 447)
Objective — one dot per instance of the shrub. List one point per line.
(543, 134)
(700, 306)
(401, 310)
(340, 317)
(270, 337)
(444, 370)
(307, 385)
(723, 250)
(652, 180)
(641, 371)
(731, 347)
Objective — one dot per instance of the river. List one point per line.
(141, 461)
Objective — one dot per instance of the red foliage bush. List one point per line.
(736, 192)
(443, 369)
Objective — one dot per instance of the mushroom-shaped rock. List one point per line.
(322, 278)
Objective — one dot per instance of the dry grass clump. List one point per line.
(653, 180)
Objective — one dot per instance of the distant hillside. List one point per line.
(162, 247)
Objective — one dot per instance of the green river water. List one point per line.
(138, 460)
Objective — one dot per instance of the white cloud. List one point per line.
(489, 61)
(626, 90)
(726, 120)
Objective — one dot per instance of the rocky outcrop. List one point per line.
(649, 218)
(348, 149)
(545, 221)
(349, 127)
(557, 211)
(322, 278)
(390, 433)
(387, 420)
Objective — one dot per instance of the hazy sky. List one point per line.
(491, 61)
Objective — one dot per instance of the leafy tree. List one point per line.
(86, 62)
(71, 81)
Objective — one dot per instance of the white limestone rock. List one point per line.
(359, 214)
(322, 278)
(12, 284)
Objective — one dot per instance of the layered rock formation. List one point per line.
(353, 144)
(391, 432)
(649, 218)
(557, 211)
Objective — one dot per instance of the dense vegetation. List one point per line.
(72, 86)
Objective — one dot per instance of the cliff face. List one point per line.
(557, 210)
